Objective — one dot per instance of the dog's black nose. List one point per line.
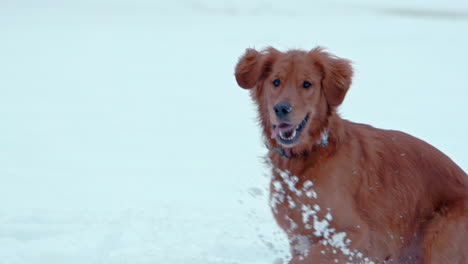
(282, 109)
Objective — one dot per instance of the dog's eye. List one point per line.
(276, 82)
(306, 84)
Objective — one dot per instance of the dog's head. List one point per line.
(296, 92)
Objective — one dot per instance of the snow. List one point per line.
(125, 139)
(321, 225)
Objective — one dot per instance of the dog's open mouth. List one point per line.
(288, 134)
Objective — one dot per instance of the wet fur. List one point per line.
(398, 199)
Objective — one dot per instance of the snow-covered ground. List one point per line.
(125, 139)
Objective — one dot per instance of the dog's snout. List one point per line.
(282, 109)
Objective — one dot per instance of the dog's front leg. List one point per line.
(334, 250)
(321, 254)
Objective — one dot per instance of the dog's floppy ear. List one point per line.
(337, 75)
(253, 66)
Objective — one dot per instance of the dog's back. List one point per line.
(410, 184)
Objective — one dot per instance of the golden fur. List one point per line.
(397, 198)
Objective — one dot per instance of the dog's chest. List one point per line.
(302, 207)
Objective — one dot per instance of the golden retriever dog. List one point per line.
(345, 192)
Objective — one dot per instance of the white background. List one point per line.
(125, 139)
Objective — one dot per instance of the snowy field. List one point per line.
(125, 139)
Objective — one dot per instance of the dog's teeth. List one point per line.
(293, 134)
